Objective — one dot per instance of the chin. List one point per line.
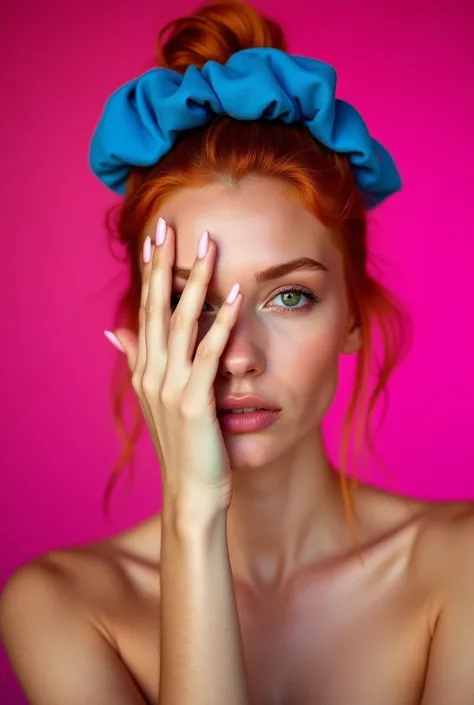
(252, 451)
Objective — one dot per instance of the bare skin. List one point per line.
(334, 632)
(317, 626)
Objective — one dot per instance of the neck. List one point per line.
(285, 515)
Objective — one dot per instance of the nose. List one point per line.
(244, 353)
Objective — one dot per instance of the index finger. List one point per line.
(156, 295)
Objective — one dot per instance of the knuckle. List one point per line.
(189, 410)
(151, 308)
(178, 322)
(137, 382)
(205, 350)
(155, 261)
(149, 383)
(166, 395)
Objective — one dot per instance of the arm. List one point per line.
(58, 656)
(450, 678)
(201, 650)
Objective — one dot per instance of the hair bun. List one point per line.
(214, 32)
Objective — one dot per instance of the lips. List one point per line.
(249, 401)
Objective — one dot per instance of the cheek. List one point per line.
(313, 372)
(314, 359)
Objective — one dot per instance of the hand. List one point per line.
(176, 393)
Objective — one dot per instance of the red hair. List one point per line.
(317, 178)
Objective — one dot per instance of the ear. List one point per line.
(353, 340)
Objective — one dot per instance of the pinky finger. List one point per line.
(209, 351)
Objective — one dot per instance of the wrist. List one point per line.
(191, 514)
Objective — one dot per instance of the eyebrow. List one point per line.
(301, 264)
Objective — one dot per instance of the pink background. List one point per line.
(406, 66)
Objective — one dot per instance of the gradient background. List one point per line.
(407, 66)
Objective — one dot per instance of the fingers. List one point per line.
(206, 362)
(155, 310)
(184, 321)
(164, 368)
(140, 361)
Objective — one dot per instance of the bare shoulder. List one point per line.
(439, 542)
(441, 533)
(435, 520)
(444, 536)
(59, 610)
(445, 546)
(442, 557)
(97, 576)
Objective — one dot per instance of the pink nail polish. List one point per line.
(115, 342)
(233, 293)
(203, 245)
(160, 231)
(147, 249)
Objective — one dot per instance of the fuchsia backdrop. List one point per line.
(406, 66)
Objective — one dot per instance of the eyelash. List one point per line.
(313, 299)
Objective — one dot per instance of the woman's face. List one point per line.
(285, 345)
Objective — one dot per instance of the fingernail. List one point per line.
(160, 231)
(147, 249)
(233, 294)
(113, 339)
(203, 245)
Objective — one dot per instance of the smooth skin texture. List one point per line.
(84, 625)
(176, 395)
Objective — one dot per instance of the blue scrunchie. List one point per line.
(142, 119)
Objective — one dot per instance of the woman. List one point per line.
(262, 581)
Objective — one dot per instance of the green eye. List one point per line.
(293, 297)
(292, 293)
(298, 291)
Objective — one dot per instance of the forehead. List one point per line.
(255, 221)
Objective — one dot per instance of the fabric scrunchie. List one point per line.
(142, 120)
